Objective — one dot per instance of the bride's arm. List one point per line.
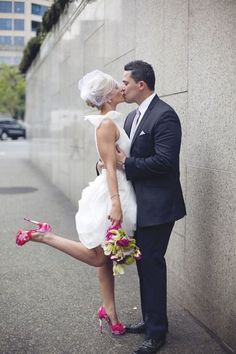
(107, 134)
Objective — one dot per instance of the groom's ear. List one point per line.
(142, 85)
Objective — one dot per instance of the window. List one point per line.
(38, 9)
(6, 6)
(19, 7)
(9, 40)
(19, 41)
(5, 24)
(19, 25)
(5, 40)
(35, 25)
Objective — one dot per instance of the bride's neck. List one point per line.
(107, 107)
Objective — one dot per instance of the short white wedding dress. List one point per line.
(95, 203)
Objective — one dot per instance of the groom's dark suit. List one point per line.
(153, 168)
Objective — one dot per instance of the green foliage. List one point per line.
(50, 19)
(12, 91)
(30, 52)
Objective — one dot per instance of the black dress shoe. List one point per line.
(135, 328)
(150, 346)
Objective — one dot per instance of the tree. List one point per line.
(12, 91)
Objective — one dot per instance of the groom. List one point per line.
(153, 169)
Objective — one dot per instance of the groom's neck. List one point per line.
(144, 96)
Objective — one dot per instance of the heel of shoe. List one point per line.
(100, 325)
(101, 316)
(32, 221)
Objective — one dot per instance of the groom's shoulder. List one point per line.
(161, 107)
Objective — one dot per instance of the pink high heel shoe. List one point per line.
(24, 236)
(117, 328)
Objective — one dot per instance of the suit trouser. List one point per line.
(153, 242)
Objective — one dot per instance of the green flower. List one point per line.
(129, 260)
(117, 269)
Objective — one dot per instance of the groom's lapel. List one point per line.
(129, 122)
(139, 128)
(144, 119)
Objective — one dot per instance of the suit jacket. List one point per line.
(153, 165)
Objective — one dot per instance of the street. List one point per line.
(14, 149)
(49, 301)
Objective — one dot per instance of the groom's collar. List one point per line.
(144, 105)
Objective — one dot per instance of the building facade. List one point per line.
(19, 21)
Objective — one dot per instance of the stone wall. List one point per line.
(192, 48)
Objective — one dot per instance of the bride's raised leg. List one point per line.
(94, 257)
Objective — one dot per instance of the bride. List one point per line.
(108, 201)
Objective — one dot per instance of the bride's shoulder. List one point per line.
(107, 125)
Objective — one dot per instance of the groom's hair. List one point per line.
(142, 71)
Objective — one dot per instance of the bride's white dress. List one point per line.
(95, 203)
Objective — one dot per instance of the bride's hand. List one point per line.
(115, 215)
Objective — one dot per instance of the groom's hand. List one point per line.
(100, 165)
(120, 158)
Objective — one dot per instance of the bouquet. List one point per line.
(121, 248)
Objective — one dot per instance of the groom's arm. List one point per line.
(167, 140)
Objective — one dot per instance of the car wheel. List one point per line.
(4, 136)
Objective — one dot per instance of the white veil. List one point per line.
(96, 87)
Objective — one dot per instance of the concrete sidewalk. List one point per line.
(48, 301)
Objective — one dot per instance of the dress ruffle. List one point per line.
(94, 206)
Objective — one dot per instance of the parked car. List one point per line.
(10, 128)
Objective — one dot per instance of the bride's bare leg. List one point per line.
(94, 257)
(107, 288)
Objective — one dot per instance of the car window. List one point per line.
(10, 123)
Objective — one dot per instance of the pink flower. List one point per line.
(117, 227)
(138, 256)
(123, 242)
(109, 234)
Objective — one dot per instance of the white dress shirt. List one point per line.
(143, 107)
